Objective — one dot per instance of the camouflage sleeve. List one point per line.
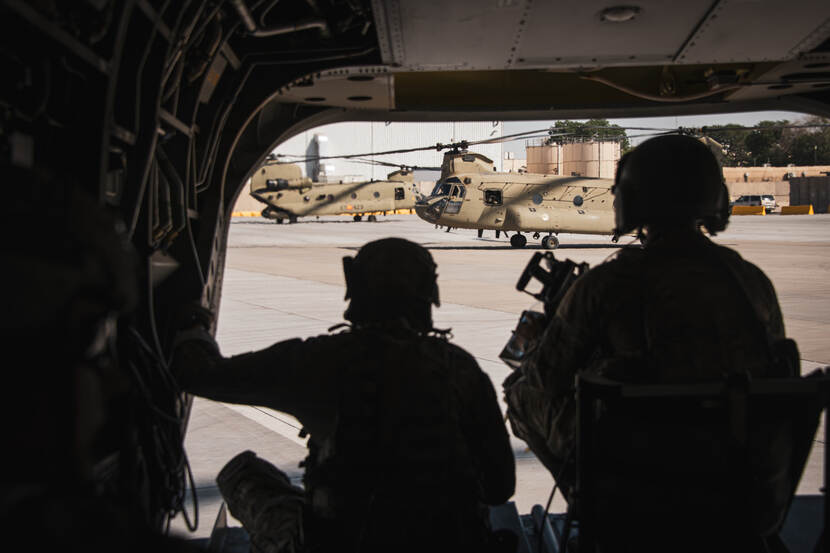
(568, 342)
(540, 395)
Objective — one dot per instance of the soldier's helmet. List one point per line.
(389, 279)
(670, 180)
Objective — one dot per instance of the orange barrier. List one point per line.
(797, 209)
(245, 214)
(748, 210)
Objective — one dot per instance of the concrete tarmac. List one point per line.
(286, 281)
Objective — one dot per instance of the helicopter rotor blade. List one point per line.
(549, 132)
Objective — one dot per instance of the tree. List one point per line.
(590, 130)
(732, 138)
(772, 142)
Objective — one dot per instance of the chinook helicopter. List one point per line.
(471, 195)
(288, 195)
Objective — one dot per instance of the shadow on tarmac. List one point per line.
(531, 247)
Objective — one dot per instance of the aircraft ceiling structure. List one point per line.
(581, 58)
(163, 108)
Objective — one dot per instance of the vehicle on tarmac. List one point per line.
(288, 195)
(470, 194)
(766, 200)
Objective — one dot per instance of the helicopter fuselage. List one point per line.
(291, 198)
(521, 202)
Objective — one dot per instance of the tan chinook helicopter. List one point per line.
(470, 194)
(289, 195)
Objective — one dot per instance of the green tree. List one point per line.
(732, 138)
(763, 145)
(592, 129)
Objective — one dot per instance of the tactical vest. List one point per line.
(396, 471)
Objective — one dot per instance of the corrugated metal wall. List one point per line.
(368, 137)
(813, 191)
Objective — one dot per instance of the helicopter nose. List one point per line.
(423, 211)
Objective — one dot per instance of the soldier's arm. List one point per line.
(283, 376)
(491, 445)
(567, 343)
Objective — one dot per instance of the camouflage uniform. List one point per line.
(669, 313)
(408, 444)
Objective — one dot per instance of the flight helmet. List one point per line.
(389, 279)
(670, 180)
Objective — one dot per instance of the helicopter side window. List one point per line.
(458, 192)
(321, 197)
(276, 184)
(399, 193)
(492, 197)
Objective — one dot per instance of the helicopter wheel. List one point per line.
(292, 219)
(518, 240)
(550, 242)
(371, 218)
(278, 220)
(357, 218)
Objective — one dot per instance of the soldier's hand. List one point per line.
(193, 314)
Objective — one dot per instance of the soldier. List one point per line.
(682, 309)
(407, 442)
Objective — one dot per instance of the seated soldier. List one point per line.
(407, 443)
(680, 310)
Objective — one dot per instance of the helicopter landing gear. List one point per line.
(292, 219)
(518, 240)
(278, 220)
(550, 242)
(498, 233)
(480, 232)
(357, 218)
(536, 235)
(371, 218)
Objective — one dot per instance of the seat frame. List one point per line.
(734, 392)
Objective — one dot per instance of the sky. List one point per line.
(746, 119)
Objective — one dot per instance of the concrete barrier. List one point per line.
(245, 214)
(797, 209)
(748, 210)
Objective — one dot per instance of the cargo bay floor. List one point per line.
(286, 281)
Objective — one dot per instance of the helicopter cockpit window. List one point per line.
(492, 197)
(399, 193)
(458, 192)
(441, 189)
